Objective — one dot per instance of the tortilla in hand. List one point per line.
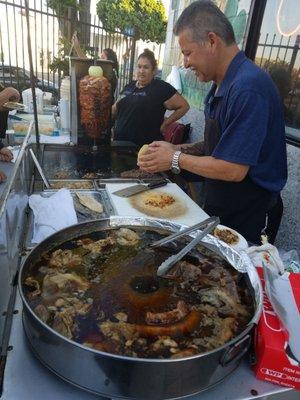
(142, 150)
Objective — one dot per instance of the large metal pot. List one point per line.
(125, 377)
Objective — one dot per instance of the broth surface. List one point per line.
(102, 291)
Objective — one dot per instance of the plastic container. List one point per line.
(28, 101)
(20, 127)
(64, 110)
(45, 128)
(65, 88)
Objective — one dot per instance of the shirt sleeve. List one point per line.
(245, 128)
(166, 91)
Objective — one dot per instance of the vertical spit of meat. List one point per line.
(95, 104)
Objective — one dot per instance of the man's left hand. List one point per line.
(158, 157)
(6, 154)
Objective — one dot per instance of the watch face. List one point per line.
(175, 170)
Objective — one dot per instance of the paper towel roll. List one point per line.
(64, 106)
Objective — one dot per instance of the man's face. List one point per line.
(197, 56)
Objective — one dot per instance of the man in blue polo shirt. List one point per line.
(243, 156)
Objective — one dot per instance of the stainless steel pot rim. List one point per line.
(115, 222)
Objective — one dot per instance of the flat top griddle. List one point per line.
(78, 161)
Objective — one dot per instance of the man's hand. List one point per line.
(158, 157)
(8, 94)
(2, 177)
(6, 154)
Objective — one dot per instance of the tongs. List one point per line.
(210, 224)
(39, 168)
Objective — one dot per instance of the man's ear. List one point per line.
(213, 40)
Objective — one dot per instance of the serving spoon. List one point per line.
(211, 223)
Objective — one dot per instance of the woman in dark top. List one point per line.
(139, 111)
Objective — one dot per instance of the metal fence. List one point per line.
(280, 56)
(50, 44)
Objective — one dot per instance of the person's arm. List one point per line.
(2, 176)
(8, 94)
(5, 154)
(213, 168)
(160, 154)
(193, 149)
(180, 107)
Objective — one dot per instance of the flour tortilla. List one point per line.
(90, 202)
(174, 210)
(142, 150)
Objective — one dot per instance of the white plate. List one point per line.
(242, 242)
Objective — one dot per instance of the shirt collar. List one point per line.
(238, 59)
(231, 72)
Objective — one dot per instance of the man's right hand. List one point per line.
(8, 94)
(6, 155)
(2, 176)
(158, 157)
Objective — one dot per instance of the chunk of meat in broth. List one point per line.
(33, 286)
(63, 323)
(58, 284)
(64, 258)
(168, 317)
(42, 312)
(127, 237)
(97, 246)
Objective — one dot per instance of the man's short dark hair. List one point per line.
(202, 17)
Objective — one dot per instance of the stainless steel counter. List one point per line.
(24, 376)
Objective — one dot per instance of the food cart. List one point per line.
(24, 376)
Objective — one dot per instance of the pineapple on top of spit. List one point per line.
(95, 102)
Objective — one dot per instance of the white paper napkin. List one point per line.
(52, 213)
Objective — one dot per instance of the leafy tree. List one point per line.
(146, 18)
(66, 11)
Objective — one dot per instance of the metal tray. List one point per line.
(72, 181)
(100, 184)
(82, 212)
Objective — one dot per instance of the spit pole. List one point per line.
(32, 78)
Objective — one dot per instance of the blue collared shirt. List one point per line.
(249, 111)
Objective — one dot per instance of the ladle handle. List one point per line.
(169, 262)
(39, 168)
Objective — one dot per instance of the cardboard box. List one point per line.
(271, 344)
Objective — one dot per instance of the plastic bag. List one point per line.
(290, 260)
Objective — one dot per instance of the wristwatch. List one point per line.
(175, 163)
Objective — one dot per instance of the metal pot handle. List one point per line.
(237, 351)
